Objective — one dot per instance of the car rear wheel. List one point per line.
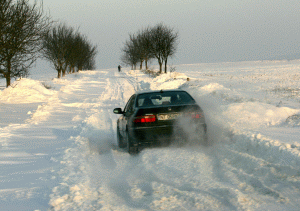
(130, 146)
(120, 139)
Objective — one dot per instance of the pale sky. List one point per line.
(209, 30)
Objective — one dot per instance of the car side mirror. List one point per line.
(118, 111)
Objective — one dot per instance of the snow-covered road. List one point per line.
(59, 148)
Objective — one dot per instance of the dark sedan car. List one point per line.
(160, 118)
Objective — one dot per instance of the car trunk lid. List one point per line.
(166, 115)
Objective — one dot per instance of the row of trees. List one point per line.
(26, 34)
(68, 50)
(158, 42)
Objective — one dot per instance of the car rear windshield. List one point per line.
(164, 98)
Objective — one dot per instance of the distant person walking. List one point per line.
(119, 68)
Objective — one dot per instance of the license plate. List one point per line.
(168, 116)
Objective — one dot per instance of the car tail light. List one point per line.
(196, 115)
(145, 119)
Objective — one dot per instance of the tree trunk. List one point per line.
(146, 63)
(64, 72)
(141, 65)
(160, 67)
(58, 73)
(7, 80)
(166, 61)
(7, 76)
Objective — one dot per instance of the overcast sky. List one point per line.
(209, 30)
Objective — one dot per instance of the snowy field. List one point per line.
(58, 142)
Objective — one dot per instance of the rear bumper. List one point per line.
(161, 135)
(152, 135)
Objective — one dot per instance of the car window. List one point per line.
(165, 98)
(130, 104)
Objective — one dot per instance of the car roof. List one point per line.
(159, 91)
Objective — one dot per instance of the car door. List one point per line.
(128, 111)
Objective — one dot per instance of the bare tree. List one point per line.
(171, 41)
(21, 29)
(72, 44)
(137, 49)
(4, 25)
(55, 47)
(163, 44)
(67, 50)
(158, 42)
(145, 39)
(143, 47)
(130, 54)
(85, 59)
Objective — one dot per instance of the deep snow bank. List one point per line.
(26, 91)
(254, 114)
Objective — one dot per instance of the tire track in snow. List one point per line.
(91, 161)
(117, 92)
(101, 120)
(263, 175)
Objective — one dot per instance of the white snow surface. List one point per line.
(58, 144)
